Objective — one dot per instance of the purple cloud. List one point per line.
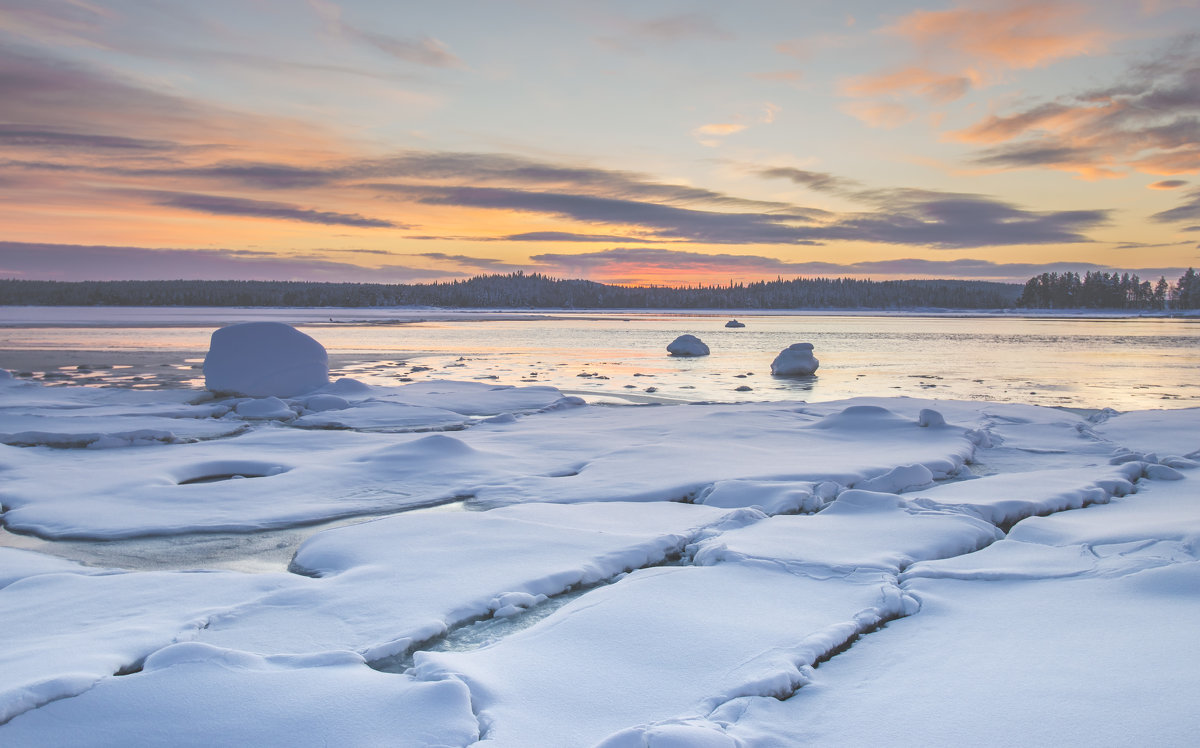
(236, 206)
(71, 262)
(1188, 210)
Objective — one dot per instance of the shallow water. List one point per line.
(1123, 364)
(249, 552)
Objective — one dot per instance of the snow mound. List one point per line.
(687, 345)
(795, 361)
(263, 359)
(265, 409)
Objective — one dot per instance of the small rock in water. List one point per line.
(743, 388)
(734, 323)
(651, 389)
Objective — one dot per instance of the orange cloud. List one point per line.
(724, 128)
(1025, 35)
(934, 86)
(710, 135)
(1146, 122)
(1050, 118)
(1181, 161)
(971, 46)
(885, 114)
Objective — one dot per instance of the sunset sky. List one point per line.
(625, 142)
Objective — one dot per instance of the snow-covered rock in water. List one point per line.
(263, 359)
(5, 374)
(687, 345)
(795, 360)
(735, 323)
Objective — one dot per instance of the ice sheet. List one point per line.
(892, 510)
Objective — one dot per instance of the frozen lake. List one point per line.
(1120, 363)
(457, 550)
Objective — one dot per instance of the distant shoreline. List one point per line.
(185, 316)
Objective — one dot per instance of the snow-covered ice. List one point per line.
(383, 586)
(871, 571)
(197, 695)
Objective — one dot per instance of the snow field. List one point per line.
(793, 530)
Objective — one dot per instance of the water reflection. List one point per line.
(1089, 363)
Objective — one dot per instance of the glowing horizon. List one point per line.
(618, 142)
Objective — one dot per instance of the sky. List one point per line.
(625, 142)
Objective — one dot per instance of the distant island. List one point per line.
(536, 291)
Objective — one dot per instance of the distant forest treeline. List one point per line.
(1098, 290)
(520, 290)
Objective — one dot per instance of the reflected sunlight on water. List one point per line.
(1088, 363)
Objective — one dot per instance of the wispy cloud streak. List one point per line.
(236, 206)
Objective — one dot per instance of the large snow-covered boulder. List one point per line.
(687, 345)
(794, 361)
(264, 359)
